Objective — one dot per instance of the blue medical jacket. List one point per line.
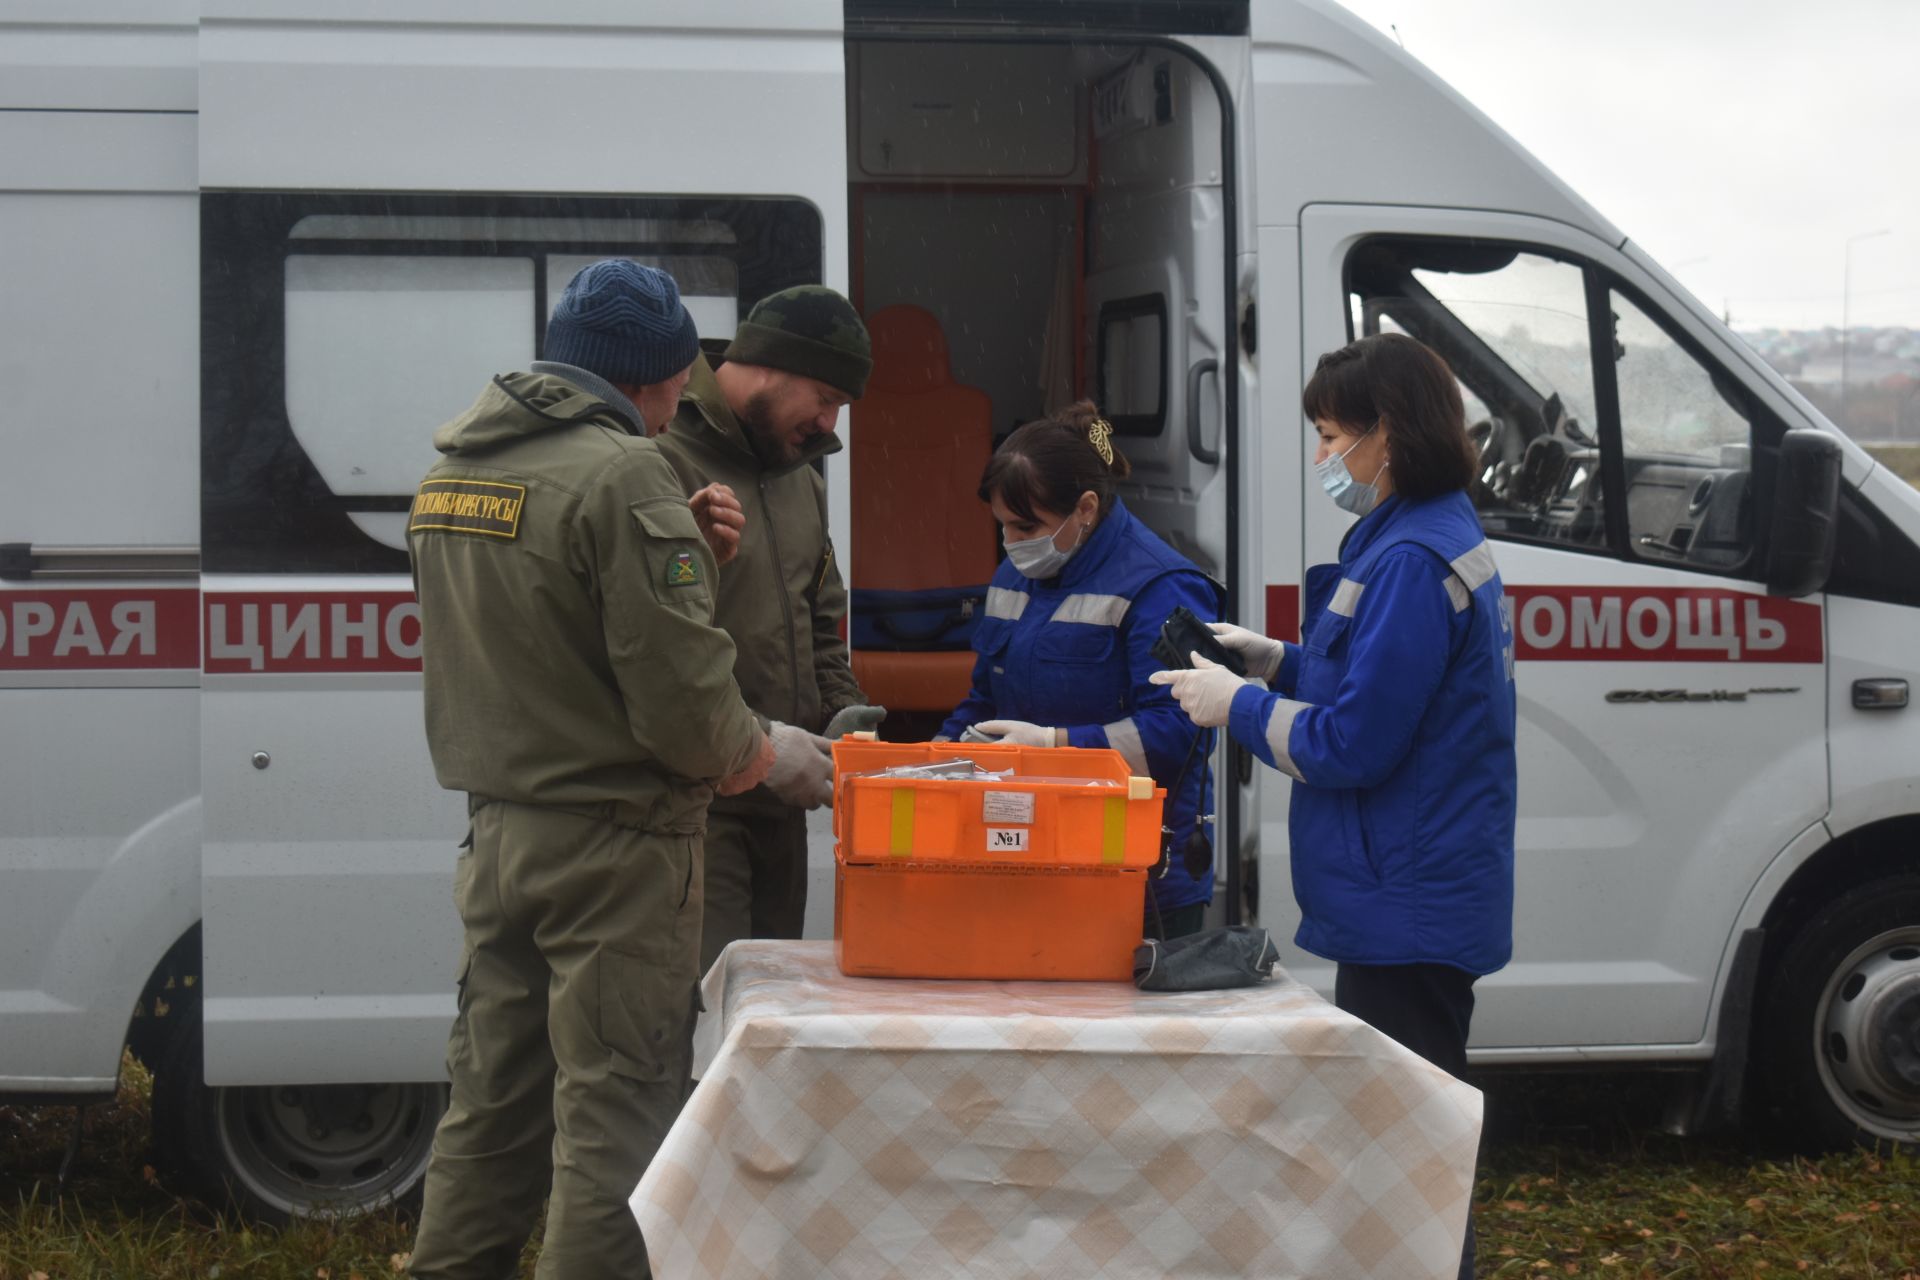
(1396, 716)
(1074, 652)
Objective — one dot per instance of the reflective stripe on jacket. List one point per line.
(1074, 652)
(1397, 715)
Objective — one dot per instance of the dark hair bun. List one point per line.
(1083, 417)
(1045, 466)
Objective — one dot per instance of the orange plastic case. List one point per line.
(1015, 878)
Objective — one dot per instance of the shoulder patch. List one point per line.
(683, 570)
(484, 507)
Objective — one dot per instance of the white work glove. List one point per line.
(802, 773)
(856, 719)
(1019, 733)
(1204, 693)
(1261, 654)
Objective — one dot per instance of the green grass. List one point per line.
(1902, 459)
(1576, 1180)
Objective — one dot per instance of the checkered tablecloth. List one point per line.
(878, 1129)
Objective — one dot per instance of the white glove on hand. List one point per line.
(855, 719)
(1019, 733)
(1204, 693)
(802, 773)
(1261, 654)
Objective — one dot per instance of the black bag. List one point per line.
(1240, 955)
(913, 621)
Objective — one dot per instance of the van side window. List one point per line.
(1131, 363)
(1643, 451)
(1687, 445)
(1513, 325)
(341, 330)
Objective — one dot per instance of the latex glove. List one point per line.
(1204, 693)
(802, 773)
(716, 509)
(1261, 654)
(1019, 733)
(857, 719)
(753, 775)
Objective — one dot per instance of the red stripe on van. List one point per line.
(100, 629)
(1283, 612)
(1661, 624)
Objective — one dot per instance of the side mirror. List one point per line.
(1806, 512)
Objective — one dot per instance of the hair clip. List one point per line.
(1100, 435)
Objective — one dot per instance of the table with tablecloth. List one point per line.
(874, 1128)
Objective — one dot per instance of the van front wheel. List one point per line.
(1842, 1046)
(281, 1152)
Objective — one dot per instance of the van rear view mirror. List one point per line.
(1806, 505)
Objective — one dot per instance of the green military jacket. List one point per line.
(781, 599)
(566, 611)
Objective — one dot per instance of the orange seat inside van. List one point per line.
(918, 442)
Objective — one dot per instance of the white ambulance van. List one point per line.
(253, 251)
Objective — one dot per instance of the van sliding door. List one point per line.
(358, 289)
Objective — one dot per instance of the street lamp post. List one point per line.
(1846, 315)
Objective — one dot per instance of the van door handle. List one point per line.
(1885, 694)
(1201, 453)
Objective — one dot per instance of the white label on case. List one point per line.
(1006, 839)
(1007, 806)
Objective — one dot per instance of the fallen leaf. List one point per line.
(36, 1275)
(1644, 1232)
(1846, 1217)
(1612, 1260)
(1514, 1206)
(321, 1273)
(1755, 1203)
(400, 1262)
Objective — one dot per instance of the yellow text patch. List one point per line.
(469, 506)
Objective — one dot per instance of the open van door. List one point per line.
(1169, 316)
(357, 291)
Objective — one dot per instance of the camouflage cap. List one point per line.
(809, 330)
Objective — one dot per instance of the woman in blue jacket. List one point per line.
(1066, 648)
(1395, 716)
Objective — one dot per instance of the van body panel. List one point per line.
(99, 858)
(99, 55)
(1330, 87)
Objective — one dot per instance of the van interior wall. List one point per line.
(1156, 238)
(987, 265)
(971, 205)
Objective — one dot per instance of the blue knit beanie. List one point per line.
(624, 322)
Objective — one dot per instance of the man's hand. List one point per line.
(1204, 693)
(717, 511)
(802, 773)
(855, 719)
(753, 775)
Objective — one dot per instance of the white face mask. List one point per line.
(1347, 493)
(1041, 557)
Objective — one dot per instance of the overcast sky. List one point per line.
(1740, 144)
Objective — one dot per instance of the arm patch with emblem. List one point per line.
(483, 507)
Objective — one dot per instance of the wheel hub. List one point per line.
(319, 1149)
(1870, 1034)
